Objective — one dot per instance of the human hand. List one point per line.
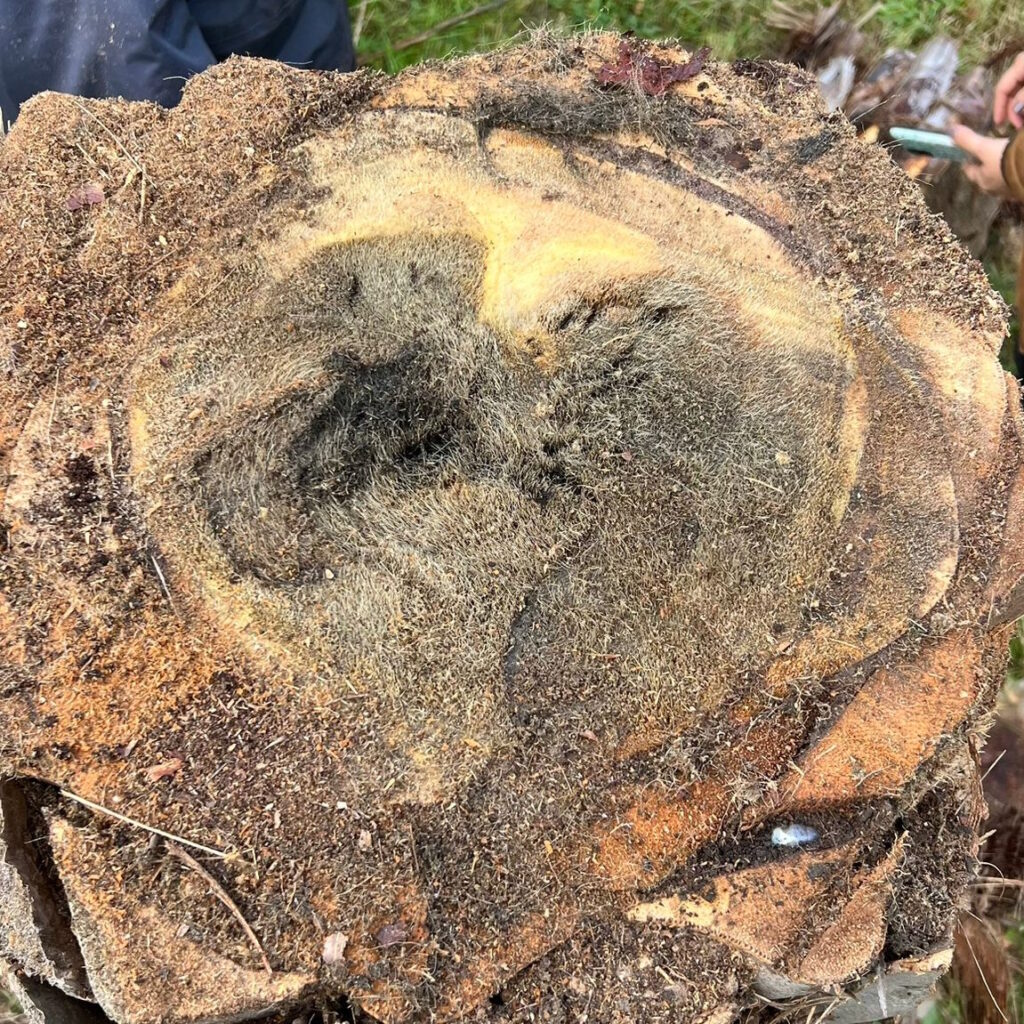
(1009, 99)
(987, 173)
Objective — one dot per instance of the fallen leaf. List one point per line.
(619, 72)
(365, 841)
(334, 948)
(392, 934)
(89, 194)
(156, 772)
(693, 67)
(651, 76)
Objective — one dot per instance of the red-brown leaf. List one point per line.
(693, 67)
(619, 72)
(89, 194)
(653, 78)
(156, 772)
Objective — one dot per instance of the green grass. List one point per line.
(1003, 277)
(733, 28)
(10, 1011)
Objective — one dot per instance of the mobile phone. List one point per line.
(932, 143)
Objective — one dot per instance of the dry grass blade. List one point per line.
(218, 890)
(357, 29)
(139, 824)
(120, 145)
(987, 957)
(163, 582)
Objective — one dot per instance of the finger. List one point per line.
(999, 109)
(968, 140)
(1015, 109)
(1009, 83)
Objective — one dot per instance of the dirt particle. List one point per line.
(815, 146)
(393, 934)
(89, 194)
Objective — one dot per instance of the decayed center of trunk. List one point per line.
(507, 456)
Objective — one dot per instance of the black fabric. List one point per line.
(147, 49)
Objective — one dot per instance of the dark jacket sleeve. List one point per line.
(311, 34)
(137, 49)
(147, 49)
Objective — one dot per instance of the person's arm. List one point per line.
(999, 164)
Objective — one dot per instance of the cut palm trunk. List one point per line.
(539, 533)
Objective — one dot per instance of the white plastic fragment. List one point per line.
(793, 835)
(334, 948)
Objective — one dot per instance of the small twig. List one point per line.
(764, 483)
(141, 168)
(163, 582)
(53, 404)
(221, 894)
(1002, 754)
(357, 30)
(435, 30)
(828, 1009)
(110, 459)
(120, 145)
(139, 824)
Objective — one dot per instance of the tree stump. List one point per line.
(452, 523)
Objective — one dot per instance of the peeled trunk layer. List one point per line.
(479, 507)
